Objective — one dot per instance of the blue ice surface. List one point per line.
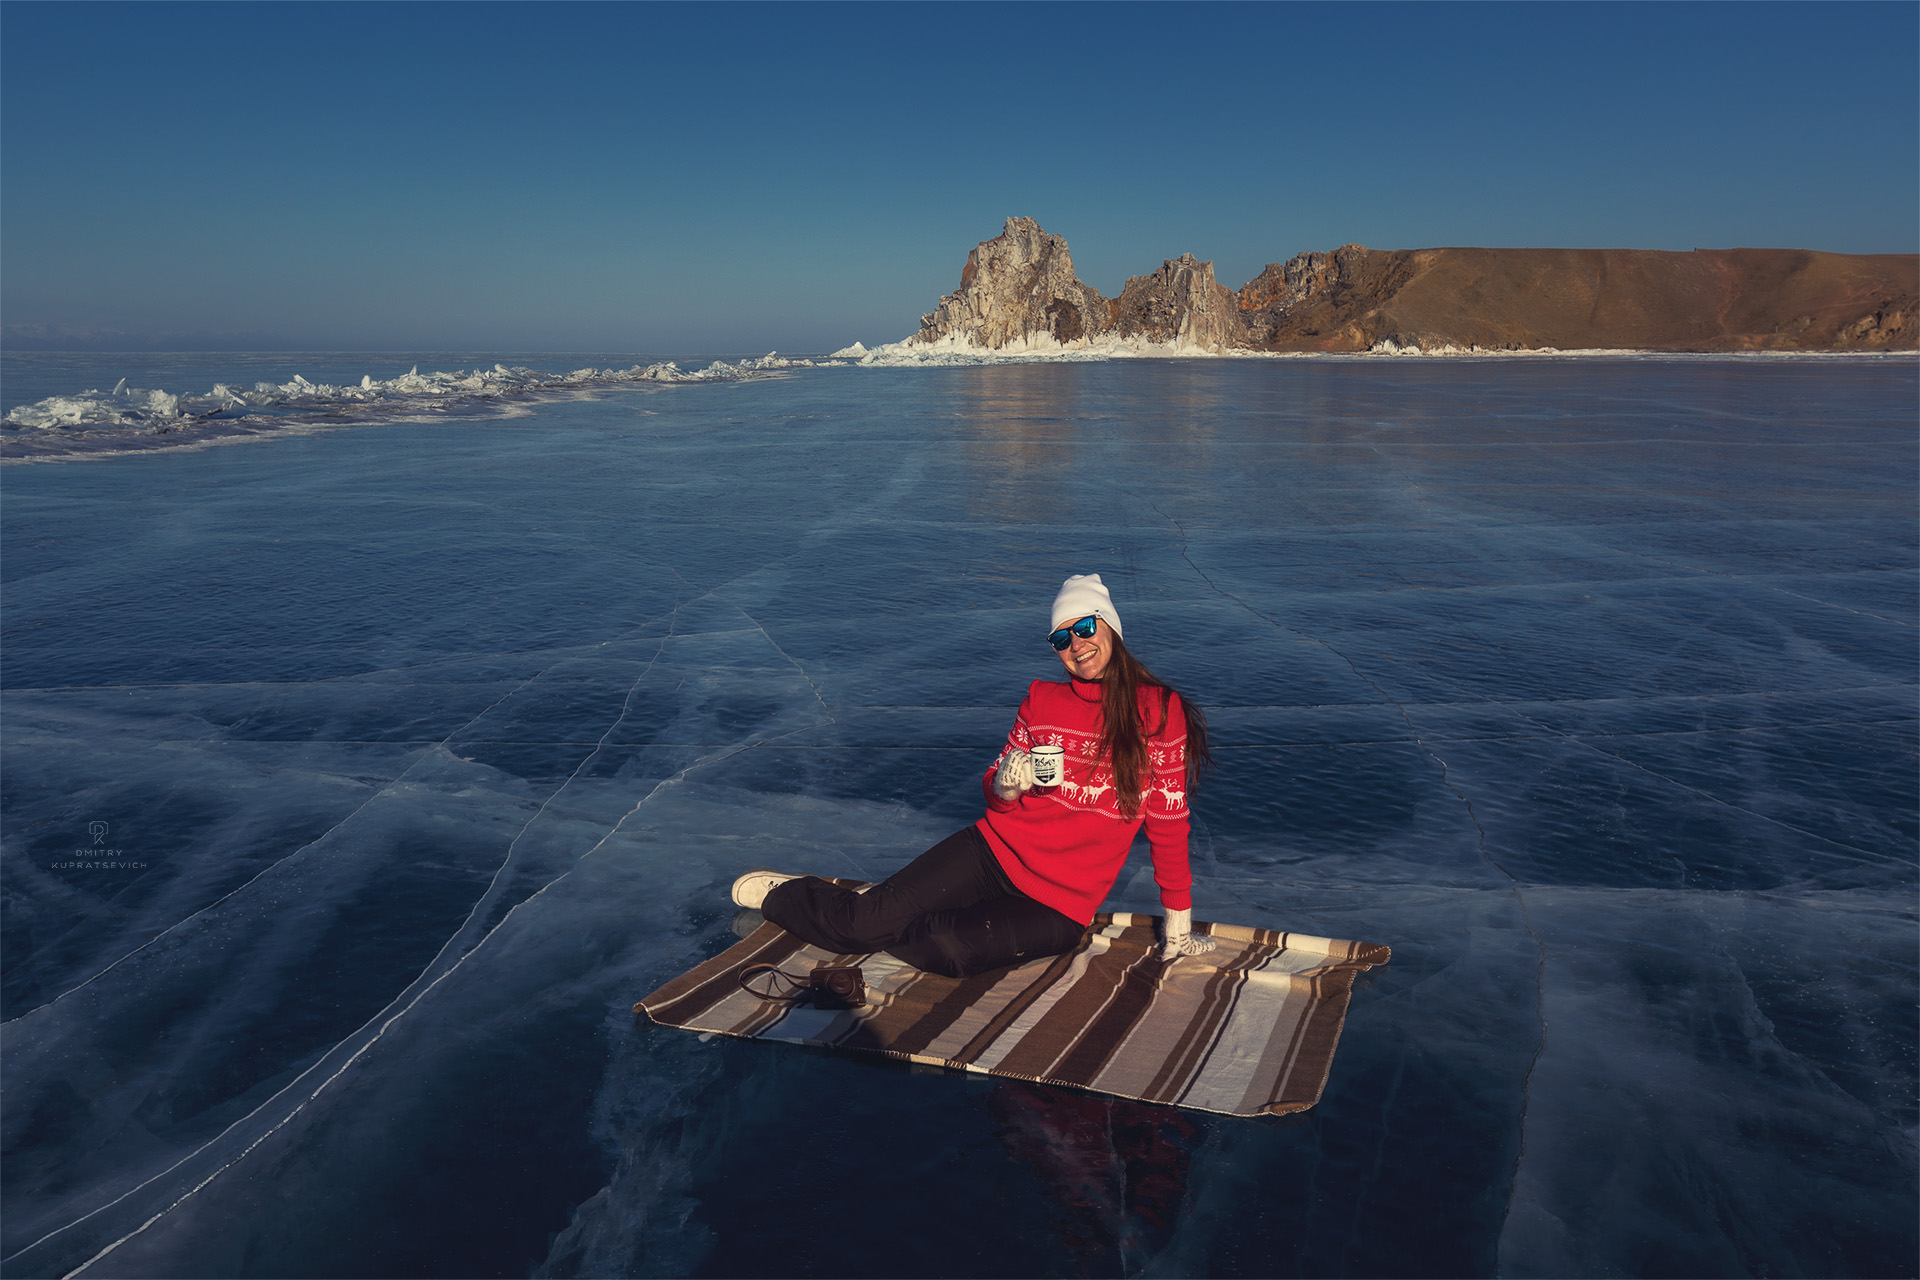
(424, 749)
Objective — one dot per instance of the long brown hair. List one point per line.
(1124, 731)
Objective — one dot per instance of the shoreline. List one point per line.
(24, 444)
(948, 353)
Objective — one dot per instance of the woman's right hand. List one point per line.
(1015, 777)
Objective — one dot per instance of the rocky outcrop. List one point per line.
(1016, 288)
(1889, 325)
(1019, 290)
(1322, 301)
(1180, 303)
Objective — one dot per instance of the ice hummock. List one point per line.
(130, 409)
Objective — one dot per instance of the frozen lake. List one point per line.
(358, 782)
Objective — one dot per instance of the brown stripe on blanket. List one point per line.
(1130, 1002)
(1222, 993)
(1276, 1073)
(761, 1018)
(876, 1027)
(1057, 982)
(1253, 1058)
(1289, 1080)
(1036, 1054)
(1245, 1053)
(1003, 1019)
(954, 1043)
(917, 1011)
(961, 996)
(1180, 1033)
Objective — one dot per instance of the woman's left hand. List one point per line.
(1179, 939)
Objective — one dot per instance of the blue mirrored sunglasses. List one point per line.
(1083, 628)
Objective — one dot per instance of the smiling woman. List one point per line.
(1121, 750)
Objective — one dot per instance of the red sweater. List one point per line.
(1064, 846)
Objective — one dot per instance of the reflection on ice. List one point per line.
(437, 748)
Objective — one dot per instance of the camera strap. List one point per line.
(828, 987)
(795, 988)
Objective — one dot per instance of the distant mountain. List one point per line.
(1018, 291)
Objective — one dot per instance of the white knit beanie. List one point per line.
(1083, 594)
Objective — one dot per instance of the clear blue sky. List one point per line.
(738, 177)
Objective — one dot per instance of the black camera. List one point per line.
(836, 987)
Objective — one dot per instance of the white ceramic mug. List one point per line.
(1049, 766)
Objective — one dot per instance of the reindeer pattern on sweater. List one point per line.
(1089, 783)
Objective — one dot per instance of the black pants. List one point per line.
(951, 910)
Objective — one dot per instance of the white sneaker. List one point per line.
(750, 890)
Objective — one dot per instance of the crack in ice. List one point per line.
(831, 718)
(506, 862)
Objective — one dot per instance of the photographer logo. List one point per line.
(95, 857)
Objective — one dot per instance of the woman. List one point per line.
(1026, 879)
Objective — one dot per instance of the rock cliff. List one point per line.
(1016, 288)
(1019, 290)
(1181, 303)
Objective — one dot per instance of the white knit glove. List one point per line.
(1179, 939)
(1015, 778)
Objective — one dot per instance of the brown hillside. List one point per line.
(1706, 300)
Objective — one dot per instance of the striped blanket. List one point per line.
(1245, 1029)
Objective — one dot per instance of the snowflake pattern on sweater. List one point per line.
(1065, 845)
